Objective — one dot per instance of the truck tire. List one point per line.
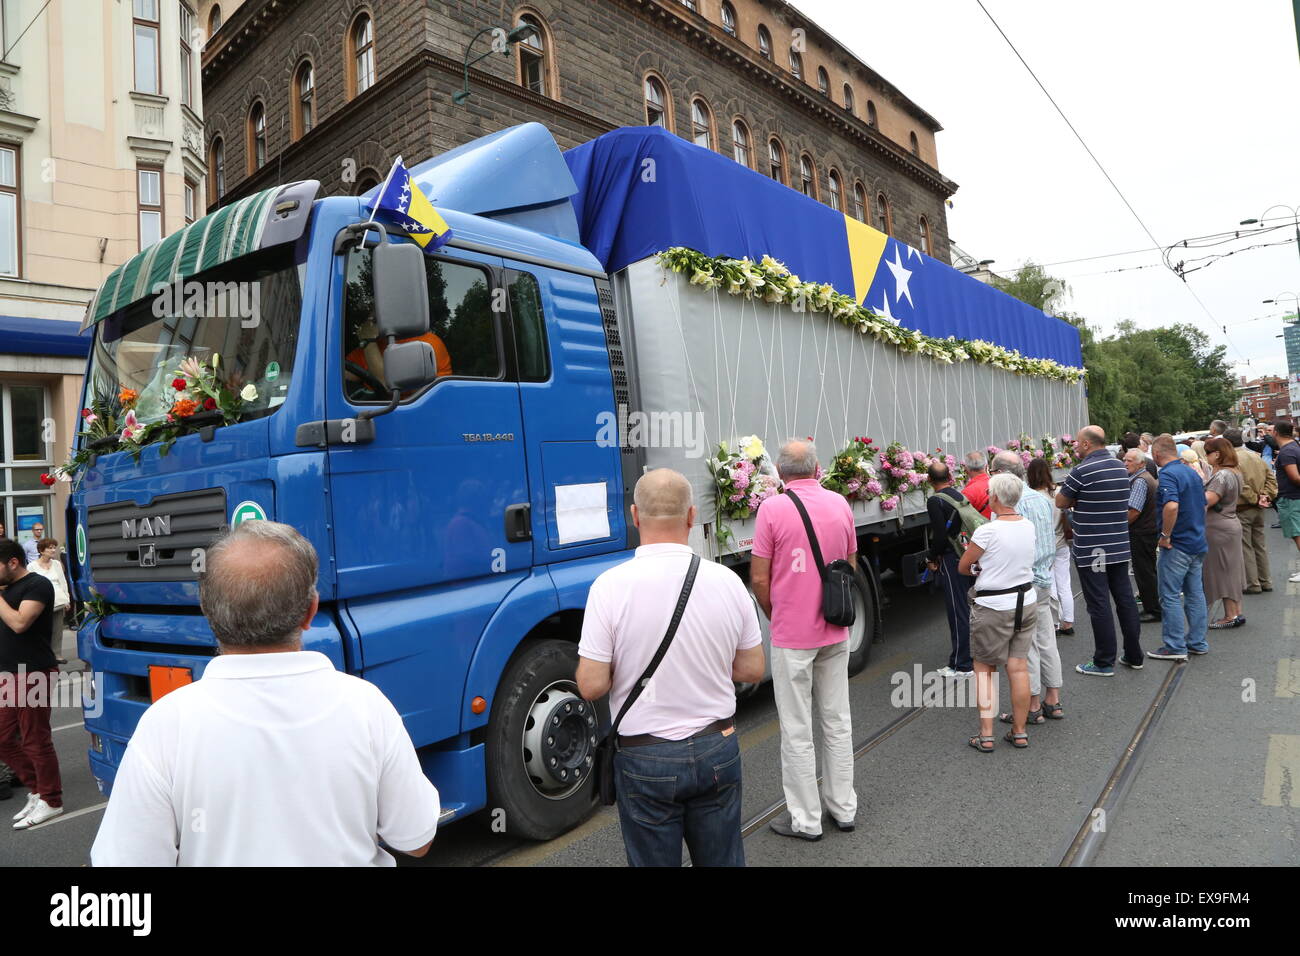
(865, 623)
(541, 740)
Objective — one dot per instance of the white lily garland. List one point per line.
(770, 281)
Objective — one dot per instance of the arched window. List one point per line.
(824, 81)
(859, 203)
(740, 143)
(836, 196)
(216, 163)
(796, 64)
(807, 176)
(214, 19)
(361, 54)
(256, 137)
(926, 246)
(656, 103)
(775, 160)
(304, 98)
(728, 18)
(916, 145)
(367, 179)
(764, 42)
(848, 97)
(701, 123)
(871, 114)
(884, 219)
(533, 51)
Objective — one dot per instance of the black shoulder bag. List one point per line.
(837, 577)
(605, 750)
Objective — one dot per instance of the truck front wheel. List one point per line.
(541, 742)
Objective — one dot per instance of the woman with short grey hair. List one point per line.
(1003, 609)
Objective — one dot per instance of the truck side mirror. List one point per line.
(409, 365)
(401, 294)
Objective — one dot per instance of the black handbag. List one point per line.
(837, 577)
(605, 750)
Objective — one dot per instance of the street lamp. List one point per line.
(1295, 216)
(501, 43)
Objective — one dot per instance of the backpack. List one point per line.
(970, 520)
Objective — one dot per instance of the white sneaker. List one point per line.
(1295, 578)
(27, 807)
(946, 672)
(41, 812)
(963, 675)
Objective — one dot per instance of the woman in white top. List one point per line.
(1003, 609)
(47, 564)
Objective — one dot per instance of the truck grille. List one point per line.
(155, 543)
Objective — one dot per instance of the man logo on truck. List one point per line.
(147, 527)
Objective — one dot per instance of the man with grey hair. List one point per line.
(810, 658)
(1044, 660)
(1218, 427)
(1097, 493)
(976, 488)
(273, 758)
(677, 765)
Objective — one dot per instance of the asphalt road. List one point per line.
(1218, 785)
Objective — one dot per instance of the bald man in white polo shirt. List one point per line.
(677, 770)
(274, 758)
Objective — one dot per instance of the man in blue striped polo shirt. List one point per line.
(1097, 490)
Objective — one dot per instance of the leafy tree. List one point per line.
(1164, 379)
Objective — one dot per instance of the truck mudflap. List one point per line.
(134, 658)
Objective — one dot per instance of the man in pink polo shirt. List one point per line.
(809, 656)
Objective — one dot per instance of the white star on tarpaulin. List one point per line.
(914, 252)
(901, 278)
(884, 309)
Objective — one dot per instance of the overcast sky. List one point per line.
(1193, 107)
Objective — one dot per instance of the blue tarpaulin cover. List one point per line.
(642, 190)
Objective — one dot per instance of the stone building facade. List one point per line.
(334, 89)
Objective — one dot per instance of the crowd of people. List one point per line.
(667, 637)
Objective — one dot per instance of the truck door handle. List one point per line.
(519, 524)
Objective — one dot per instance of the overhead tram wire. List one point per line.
(1119, 192)
(1227, 234)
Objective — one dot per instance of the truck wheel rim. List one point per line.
(559, 741)
(858, 632)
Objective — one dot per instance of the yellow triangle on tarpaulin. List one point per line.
(866, 246)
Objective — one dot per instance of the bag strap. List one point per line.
(663, 645)
(956, 509)
(812, 535)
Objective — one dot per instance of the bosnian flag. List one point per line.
(402, 204)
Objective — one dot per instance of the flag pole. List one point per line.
(378, 196)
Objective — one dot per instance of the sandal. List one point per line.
(1019, 741)
(1053, 711)
(1035, 717)
(979, 741)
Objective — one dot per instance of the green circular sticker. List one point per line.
(81, 544)
(246, 511)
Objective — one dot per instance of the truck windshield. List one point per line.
(246, 311)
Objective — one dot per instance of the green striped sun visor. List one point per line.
(268, 218)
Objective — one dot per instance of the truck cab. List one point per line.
(447, 576)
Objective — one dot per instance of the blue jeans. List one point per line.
(1181, 572)
(955, 587)
(684, 790)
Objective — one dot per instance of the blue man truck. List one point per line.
(463, 498)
